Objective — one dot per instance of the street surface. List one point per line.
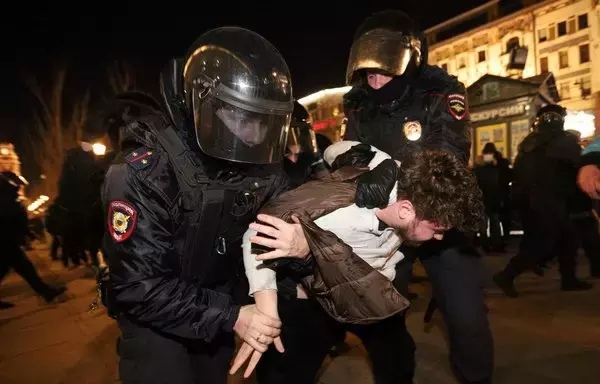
(545, 336)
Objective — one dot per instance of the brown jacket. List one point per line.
(345, 285)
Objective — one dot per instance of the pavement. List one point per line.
(545, 336)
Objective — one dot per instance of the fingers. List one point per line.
(279, 344)
(295, 219)
(271, 255)
(271, 323)
(265, 229)
(264, 241)
(256, 345)
(242, 355)
(272, 220)
(252, 364)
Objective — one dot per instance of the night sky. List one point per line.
(88, 37)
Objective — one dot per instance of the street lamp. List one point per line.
(99, 149)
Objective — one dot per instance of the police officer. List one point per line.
(545, 192)
(303, 160)
(179, 197)
(400, 104)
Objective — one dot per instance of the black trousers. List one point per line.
(456, 273)
(13, 257)
(308, 334)
(148, 357)
(545, 236)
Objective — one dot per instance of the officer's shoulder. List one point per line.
(437, 81)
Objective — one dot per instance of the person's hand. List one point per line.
(287, 240)
(588, 180)
(247, 351)
(256, 328)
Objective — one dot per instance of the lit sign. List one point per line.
(320, 125)
(580, 121)
(490, 114)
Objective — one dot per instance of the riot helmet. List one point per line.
(238, 91)
(388, 42)
(301, 137)
(550, 118)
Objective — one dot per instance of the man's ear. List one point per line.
(405, 209)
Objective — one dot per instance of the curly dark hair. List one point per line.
(442, 189)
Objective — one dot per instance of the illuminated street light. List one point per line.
(99, 149)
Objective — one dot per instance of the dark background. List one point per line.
(89, 37)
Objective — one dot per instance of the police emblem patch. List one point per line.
(122, 218)
(412, 130)
(457, 106)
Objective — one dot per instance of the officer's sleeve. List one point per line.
(144, 264)
(449, 125)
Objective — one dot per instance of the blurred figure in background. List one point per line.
(544, 188)
(488, 178)
(303, 161)
(13, 233)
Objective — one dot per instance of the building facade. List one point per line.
(553, 36)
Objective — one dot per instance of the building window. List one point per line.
(563, 59)
(551, 32)
(565, 92)
(586, 86)
(571, 26)
(512, 44)
(583, 21)
(542, 35)
(584, 53)
(462, 63)
(562, 28)
(480, 56)
(445, 67)
(544, 65)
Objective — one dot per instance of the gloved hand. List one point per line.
(359, 155)
(374, 187)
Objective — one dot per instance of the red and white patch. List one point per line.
(457, 106)
(122, 219)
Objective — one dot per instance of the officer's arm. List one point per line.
(449, 125)
(144, 264)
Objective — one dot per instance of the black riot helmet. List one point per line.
(389, 42)
(550, 118)
(301, 137)
(238, 90)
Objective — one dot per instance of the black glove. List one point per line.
(359, 155)
(374, 187)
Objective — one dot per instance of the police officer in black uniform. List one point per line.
(400, 104)
(178, 199)
(545, 193)
(303, 161)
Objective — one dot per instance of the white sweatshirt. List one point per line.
(357, 227)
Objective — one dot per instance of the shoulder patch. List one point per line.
(140, 158)
(122, 218)
(457, 106)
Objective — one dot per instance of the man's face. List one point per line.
(378, 80)
(402, 216)
(250, 130)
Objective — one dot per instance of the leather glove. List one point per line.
(359, 155)
(374, 187)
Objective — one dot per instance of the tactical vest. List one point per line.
(216, 212)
